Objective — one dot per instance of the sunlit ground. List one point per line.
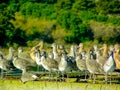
(49, 85)
(14, 83)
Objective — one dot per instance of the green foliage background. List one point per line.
(63, 21)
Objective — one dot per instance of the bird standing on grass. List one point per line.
(92, 66)
(65, 65)
(5, 64)
(109, 66)
(81, 63)
(49, 64)
(6, 61)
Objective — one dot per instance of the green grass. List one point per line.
(50, 85)
(12, 82)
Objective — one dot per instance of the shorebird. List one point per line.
(5, 65)
(72, 55)
(65, 64)
(100, 59)
(6, 61)
(92, 66)
(9, 56)
(49, 64)
(109, 66)
(81, 63)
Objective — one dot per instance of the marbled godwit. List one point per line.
(109, 66)
(81, 63)
(49, 64)
(92, 66)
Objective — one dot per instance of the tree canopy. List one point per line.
(75, 21)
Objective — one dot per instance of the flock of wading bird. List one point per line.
(103, 60)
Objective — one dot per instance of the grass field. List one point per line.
(10, 84)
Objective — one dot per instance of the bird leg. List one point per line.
(110, 77)
(67, 77)
(85, 74)
(94, 78)
(49, 76)
(38, 68)
(106, 77)
(2, 74)
(62, 75)
(57, 75)
(90, 76)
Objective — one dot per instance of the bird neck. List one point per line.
(80, 49)
(24, 71)
(10, 55)
(38, 58)
(54, 49)
(105, 52)
(116, 54)
(43, 58)
(55, 53)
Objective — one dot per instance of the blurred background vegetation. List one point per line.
(25, 22)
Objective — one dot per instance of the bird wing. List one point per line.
(52, 63)
(81, 64)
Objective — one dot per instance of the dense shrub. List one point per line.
(27, 20)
